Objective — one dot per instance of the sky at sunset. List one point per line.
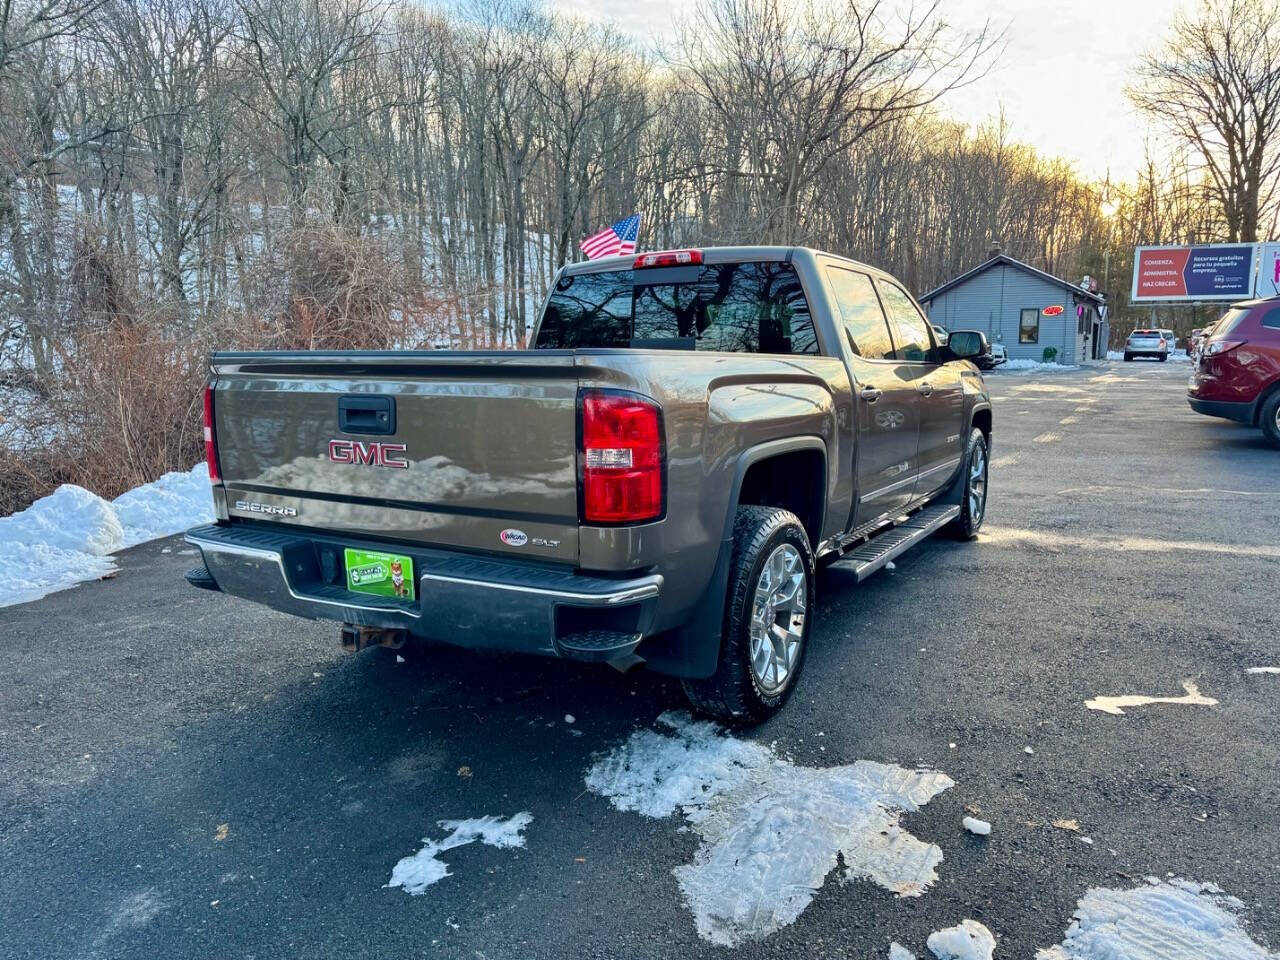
(1060, 79)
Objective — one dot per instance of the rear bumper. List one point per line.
(1240, 412)
(463, 600)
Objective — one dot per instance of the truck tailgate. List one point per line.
(478, 450)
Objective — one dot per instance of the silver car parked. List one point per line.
(1147, 343)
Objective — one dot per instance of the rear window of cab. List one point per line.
(753, 307)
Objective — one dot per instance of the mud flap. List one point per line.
(693, 649)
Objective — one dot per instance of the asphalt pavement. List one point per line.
(184, 774)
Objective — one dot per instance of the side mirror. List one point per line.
(967, 344)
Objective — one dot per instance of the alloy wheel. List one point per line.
(978, 484)
(777, 618)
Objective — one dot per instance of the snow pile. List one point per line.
(771, 830)
(968, 941)
(68, 536)
(71, 518)
(175, 502)
(419, 871)
(898, 952)
(1165, 920)
(1034, 366)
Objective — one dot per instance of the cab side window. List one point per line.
(910, 330)
(864, 324)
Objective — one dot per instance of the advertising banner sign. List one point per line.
(1219, 271)
(1269, 271)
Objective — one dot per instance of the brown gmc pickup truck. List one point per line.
(655, 481)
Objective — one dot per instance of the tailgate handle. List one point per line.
(367, 415)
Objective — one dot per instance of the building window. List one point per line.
(1029, 325)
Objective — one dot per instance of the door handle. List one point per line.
(870, 394)
(925, 388)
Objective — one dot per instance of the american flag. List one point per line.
(620, 238)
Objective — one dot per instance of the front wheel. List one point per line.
(975, 470)
(766, 622)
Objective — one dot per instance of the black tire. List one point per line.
(972, 501)
(1128, 357)
(734, 693)
(1164, 357)
(1269, 418)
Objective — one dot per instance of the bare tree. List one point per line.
(29, 23)
(794, 85)
(1215, 86)
(298, 50)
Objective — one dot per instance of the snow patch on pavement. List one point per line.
(1115, 705)
(969, 940)
(771, 830)
(1033, 366)
(1056, 541)
(1258, 670)
(898, 952)
(68, 536)
(417, 872)
(1165, 920)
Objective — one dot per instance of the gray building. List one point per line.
(1025, 309)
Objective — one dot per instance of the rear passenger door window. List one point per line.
(912, 339)
(865, 328)
(1271, 319)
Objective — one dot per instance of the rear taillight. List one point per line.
(668, 258)
(623, 457)
(1219, 347)
(210, 439)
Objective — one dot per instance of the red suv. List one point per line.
(1238, 376)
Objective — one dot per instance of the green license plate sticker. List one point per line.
(381, 574)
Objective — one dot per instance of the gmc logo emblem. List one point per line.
(374, 454)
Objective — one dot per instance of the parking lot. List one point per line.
(189, 775)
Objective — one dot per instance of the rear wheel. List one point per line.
(766, 620)
(1269, 419)
(1128, 357)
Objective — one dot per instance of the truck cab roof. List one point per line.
(725, 254)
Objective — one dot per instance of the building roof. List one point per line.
(1008, 261)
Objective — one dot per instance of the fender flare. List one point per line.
(975, 410)
(765, 451)
(693, 649)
